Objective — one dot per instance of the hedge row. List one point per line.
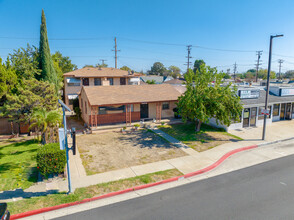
(50, 159)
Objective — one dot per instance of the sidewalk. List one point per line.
(190, 163)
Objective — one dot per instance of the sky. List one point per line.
(220, 32)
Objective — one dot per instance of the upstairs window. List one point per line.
(85, 81)
(97, 81)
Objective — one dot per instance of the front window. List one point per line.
(85, 81)
(97, 81)
(110, 81)
(165, 105)
(276, 110)
(111, 109)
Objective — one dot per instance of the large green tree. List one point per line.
(45, 60)
(206, 98)
(33, 94)
(289, 74)
(64, 62)
(8, 79)
(25, 62)
(157, 69)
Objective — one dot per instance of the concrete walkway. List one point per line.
(192, 162)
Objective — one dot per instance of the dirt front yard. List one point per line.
(115, 150)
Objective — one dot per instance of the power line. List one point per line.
(258, 53)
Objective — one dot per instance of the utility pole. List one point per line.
(102, 60)
(267, 83)
(258, 53)
(188, 62)
(235, 70)
(280, 61)
(115, 52)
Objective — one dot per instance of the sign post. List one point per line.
(65, 108)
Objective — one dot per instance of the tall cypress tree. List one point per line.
(46, 64)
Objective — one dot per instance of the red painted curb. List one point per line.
(204, 170)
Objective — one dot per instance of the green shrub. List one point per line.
(136, 125)
(50, 159)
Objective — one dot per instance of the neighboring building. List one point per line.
(124, 104)
(95, 76)
(280, 105)
(157, 79)
(176, 82)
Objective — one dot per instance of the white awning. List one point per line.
(72, 96)
(73, 80)
(134, 79)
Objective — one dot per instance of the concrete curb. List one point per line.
(274, 142)
(204, 170)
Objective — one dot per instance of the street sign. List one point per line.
(265, 112)
(61, 138)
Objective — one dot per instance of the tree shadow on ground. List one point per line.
(7, 166)
(145, 139)
(10, 194)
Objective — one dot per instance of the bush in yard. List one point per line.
(50, 159)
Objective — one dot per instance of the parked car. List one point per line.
(4, 213)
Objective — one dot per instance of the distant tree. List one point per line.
(251, 71)
(126, 68)
(204, 99)
(262, 73)
(197, 65)
(88, 66)
(25, 62)
(101, 65)
(157, 69)
(227, 76)
(32, 94)
(174, 71)
(289, 74)
(151, 81)
(45, 60)
(8, 79)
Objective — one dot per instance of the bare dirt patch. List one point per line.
(115, 150)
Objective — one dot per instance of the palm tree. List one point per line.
(45, 122)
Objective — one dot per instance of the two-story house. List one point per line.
(95, 76)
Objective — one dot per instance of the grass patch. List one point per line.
(209, 137)
(18, 165)
(88, 192)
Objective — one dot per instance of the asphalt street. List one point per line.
(264, 191)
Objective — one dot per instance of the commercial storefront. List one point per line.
(280, 106)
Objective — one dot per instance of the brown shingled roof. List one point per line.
(110, 95)
(100, 72)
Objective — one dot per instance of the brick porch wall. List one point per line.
(114, 118)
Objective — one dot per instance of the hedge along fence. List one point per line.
(50, 159)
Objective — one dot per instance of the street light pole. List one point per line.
(268, 82)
